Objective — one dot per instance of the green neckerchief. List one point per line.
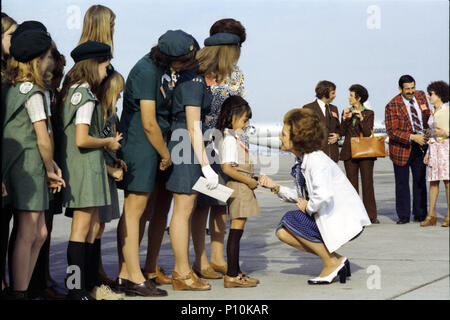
(354, 118)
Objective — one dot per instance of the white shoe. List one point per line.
(340, 271)
(105, 293)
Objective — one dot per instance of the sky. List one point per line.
(290, 46)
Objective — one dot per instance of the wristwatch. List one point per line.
(275, 189)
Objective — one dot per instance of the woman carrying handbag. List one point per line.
(356, 120)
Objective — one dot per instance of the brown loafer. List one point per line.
(237, 282)
(246, 277)
(189, 282)
(145, 289)
(207, 273)
(222, 269)
(159, 277)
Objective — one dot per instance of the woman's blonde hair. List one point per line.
(24, 71)
(218, 60)
(110, 89)
(98, 25)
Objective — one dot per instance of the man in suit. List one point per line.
(406, 119)
(329, 115)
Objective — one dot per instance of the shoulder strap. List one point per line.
(76, 97)
(15, 97)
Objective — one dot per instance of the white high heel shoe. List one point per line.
(340, 271)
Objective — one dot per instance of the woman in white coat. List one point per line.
(331, 212)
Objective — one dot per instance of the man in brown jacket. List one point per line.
(329, 114)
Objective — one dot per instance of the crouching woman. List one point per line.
(330, 211)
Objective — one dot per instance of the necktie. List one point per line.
(415, 118)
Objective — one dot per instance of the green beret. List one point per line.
(176, 43)
(90, 49)
(28, 25)
(30, 44)
(219, 39)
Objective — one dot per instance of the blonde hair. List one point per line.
(109, 91)
(24, 71)
(218, 60)
(98, 25)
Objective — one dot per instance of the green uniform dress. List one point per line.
(193, 92)
(83, 169)
(146, 81)
(22, 166)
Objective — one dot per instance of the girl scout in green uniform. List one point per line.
(27, 162)
(191, 102)
(83, 163)
(145, 125)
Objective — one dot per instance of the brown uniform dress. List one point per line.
(332, 125)
(242, 203)
(365, 165)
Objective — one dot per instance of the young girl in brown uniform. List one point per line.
(236, 164)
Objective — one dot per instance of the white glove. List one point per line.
(211, 177)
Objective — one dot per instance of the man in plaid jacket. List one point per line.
(406, 119)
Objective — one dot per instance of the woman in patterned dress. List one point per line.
(437, 156)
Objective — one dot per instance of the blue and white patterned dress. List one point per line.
(297, 221)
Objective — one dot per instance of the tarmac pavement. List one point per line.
(388, 261)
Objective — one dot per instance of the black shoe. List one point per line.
(145, 289)
(347, 267)
(17, 295)
(81, 295)
(402, 221)
(419, 219)
(4, 294)
(121, 285)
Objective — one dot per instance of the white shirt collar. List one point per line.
(321, 105)
(406, 101)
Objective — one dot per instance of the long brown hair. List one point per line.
(98, 25)
(110, 89)
(219, 61)
(82, 71)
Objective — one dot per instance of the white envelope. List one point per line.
(221, 193)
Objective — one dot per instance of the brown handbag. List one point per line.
(367, 147)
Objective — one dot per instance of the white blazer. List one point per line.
(337, 208)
